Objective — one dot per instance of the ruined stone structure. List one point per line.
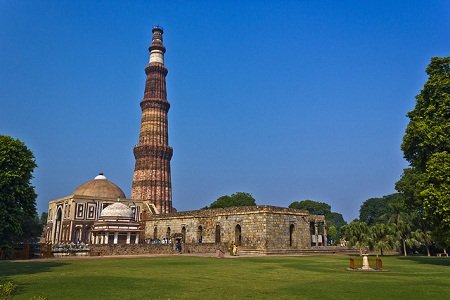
(256, 229)
(151, 179)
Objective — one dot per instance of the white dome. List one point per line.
(100, 176)
(117, 210)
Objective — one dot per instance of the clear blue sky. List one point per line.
(286, 100)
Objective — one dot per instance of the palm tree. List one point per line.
(382, 237)
(357, 235)
(424, 238)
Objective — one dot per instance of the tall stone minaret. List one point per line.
(151, 178)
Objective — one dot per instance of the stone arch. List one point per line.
(87, 235)
(78, 234)
(168, 233)
(58, 223)
(200, 233)
(183, 233)
(218, 237)
(238, 235)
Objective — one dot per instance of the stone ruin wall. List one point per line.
(263, 228)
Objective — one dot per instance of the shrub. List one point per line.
(7, 290)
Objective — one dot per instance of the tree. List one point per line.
(435, 193)
(313, 207)
(357, 234)
(382, 237)
(236, 199)
(426, 146)
(17, 196)
(377, 210)
(424, 238)
(43, 218)
(429, 128)
(334, 220)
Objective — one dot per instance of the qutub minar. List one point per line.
(99, 214)
(151, 179)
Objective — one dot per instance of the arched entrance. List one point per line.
(218, 233)
(237, 235)
(77, 236)
(183, 233)
(168, 234)
(58, 226)
(200, 234)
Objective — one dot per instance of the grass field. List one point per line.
(189, 277)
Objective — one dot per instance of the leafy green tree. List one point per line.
(314, 207)
(334, 220)
(377, 210)
(357, 234)
(43, 218)
(429, 128)
(435, 193)
(426, 146)
(236, 199)
(17, 196)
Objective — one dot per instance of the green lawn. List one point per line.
(188, 277)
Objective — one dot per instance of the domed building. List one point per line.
(72, 218)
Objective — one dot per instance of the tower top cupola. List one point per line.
(156, 48)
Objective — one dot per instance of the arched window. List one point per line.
(217, 233)
(237, 235)
(199, 234)
(291, 235)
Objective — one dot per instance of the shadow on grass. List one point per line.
(11, 268)
(429, 260)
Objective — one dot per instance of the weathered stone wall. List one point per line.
(139, 249)
(262, 228)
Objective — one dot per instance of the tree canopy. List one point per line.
(426, 146)
(313, 207)
(334, 220)
(17, 196)
(378, 210)
(236, 199)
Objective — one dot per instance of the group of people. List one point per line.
(233, 249)
(164, 241)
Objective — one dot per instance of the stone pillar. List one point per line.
(136, 241)
(52, 237)
(116, 237)
(106, 238)
(325, 238)
(128, 237)
(316, 233)
(96, 238)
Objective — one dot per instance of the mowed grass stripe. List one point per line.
(188, 277)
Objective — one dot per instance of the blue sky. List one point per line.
(286, 100)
